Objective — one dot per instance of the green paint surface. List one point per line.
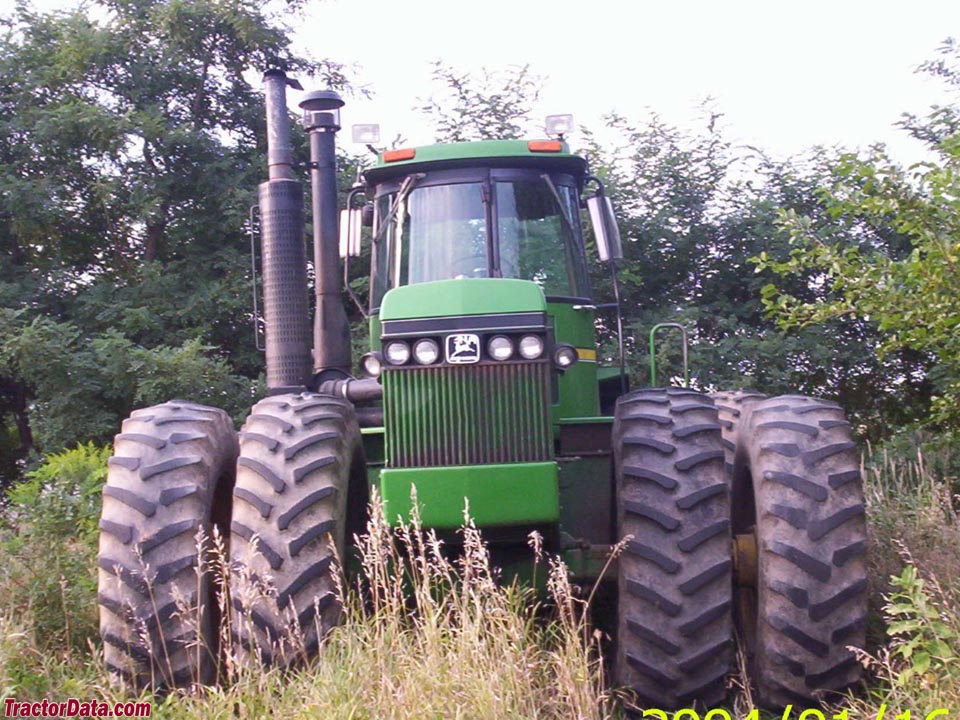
(516, 494)
(480, 152)
(465, 296)
(474, 149)
(590, 420)
(579, 395)
(375, 332)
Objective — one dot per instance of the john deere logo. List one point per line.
(463, 348)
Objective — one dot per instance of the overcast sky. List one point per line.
(786, 75)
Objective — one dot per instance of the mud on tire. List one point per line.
(168, 480)
(674, 606)
(297, 453)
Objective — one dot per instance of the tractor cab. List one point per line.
(492, 217)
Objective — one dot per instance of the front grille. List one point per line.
(467, 415)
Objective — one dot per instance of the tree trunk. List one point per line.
(156, 225)
(17, 400)
(156, 230)
(22, 415)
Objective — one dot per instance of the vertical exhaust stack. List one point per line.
(331, 329)
(286, 296)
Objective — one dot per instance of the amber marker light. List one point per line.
(544, 146)
(397, 155)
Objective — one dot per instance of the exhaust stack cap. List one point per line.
(291, 82)
(321, 110)
(279, 149)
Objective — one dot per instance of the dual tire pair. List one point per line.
(741, 516)
(199, 523)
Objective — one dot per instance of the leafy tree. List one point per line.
(131, 141)
(496, 105)
(693, 211)
(907, 292)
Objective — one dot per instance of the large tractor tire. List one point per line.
(168, 484)
(674, 596)
(733, 409)
(804, 601)
(297, 454)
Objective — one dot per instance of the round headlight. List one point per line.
(397, 352)
(426, 352)
(565, 356)
(531, 347)
(371, 365)
(500, 347)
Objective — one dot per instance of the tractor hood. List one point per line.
(466, 296)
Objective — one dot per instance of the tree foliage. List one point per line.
(693, 211)
(131, 142)
(907, 291)
(494, 105)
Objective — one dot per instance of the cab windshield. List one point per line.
(522, 227)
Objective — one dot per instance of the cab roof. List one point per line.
(552, 155)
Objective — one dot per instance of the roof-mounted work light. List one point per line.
(368, 134)
(559, 125)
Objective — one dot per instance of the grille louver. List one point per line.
(467, 415)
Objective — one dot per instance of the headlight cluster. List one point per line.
(500, 347)
(424, 352)
(427, 351)
(503, 347)
(372, 364)
(531, 346)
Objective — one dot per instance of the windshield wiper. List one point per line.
(563, 212)
(408, 184)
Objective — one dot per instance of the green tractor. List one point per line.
(736, 514)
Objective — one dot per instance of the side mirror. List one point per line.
(605, 228)
(350, 222)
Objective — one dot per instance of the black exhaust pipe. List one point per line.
(331, 329)
(285, 292)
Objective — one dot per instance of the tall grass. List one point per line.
(432, 633)
(48, 546)
(909, 504)
(428, 631)
(914, 655)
